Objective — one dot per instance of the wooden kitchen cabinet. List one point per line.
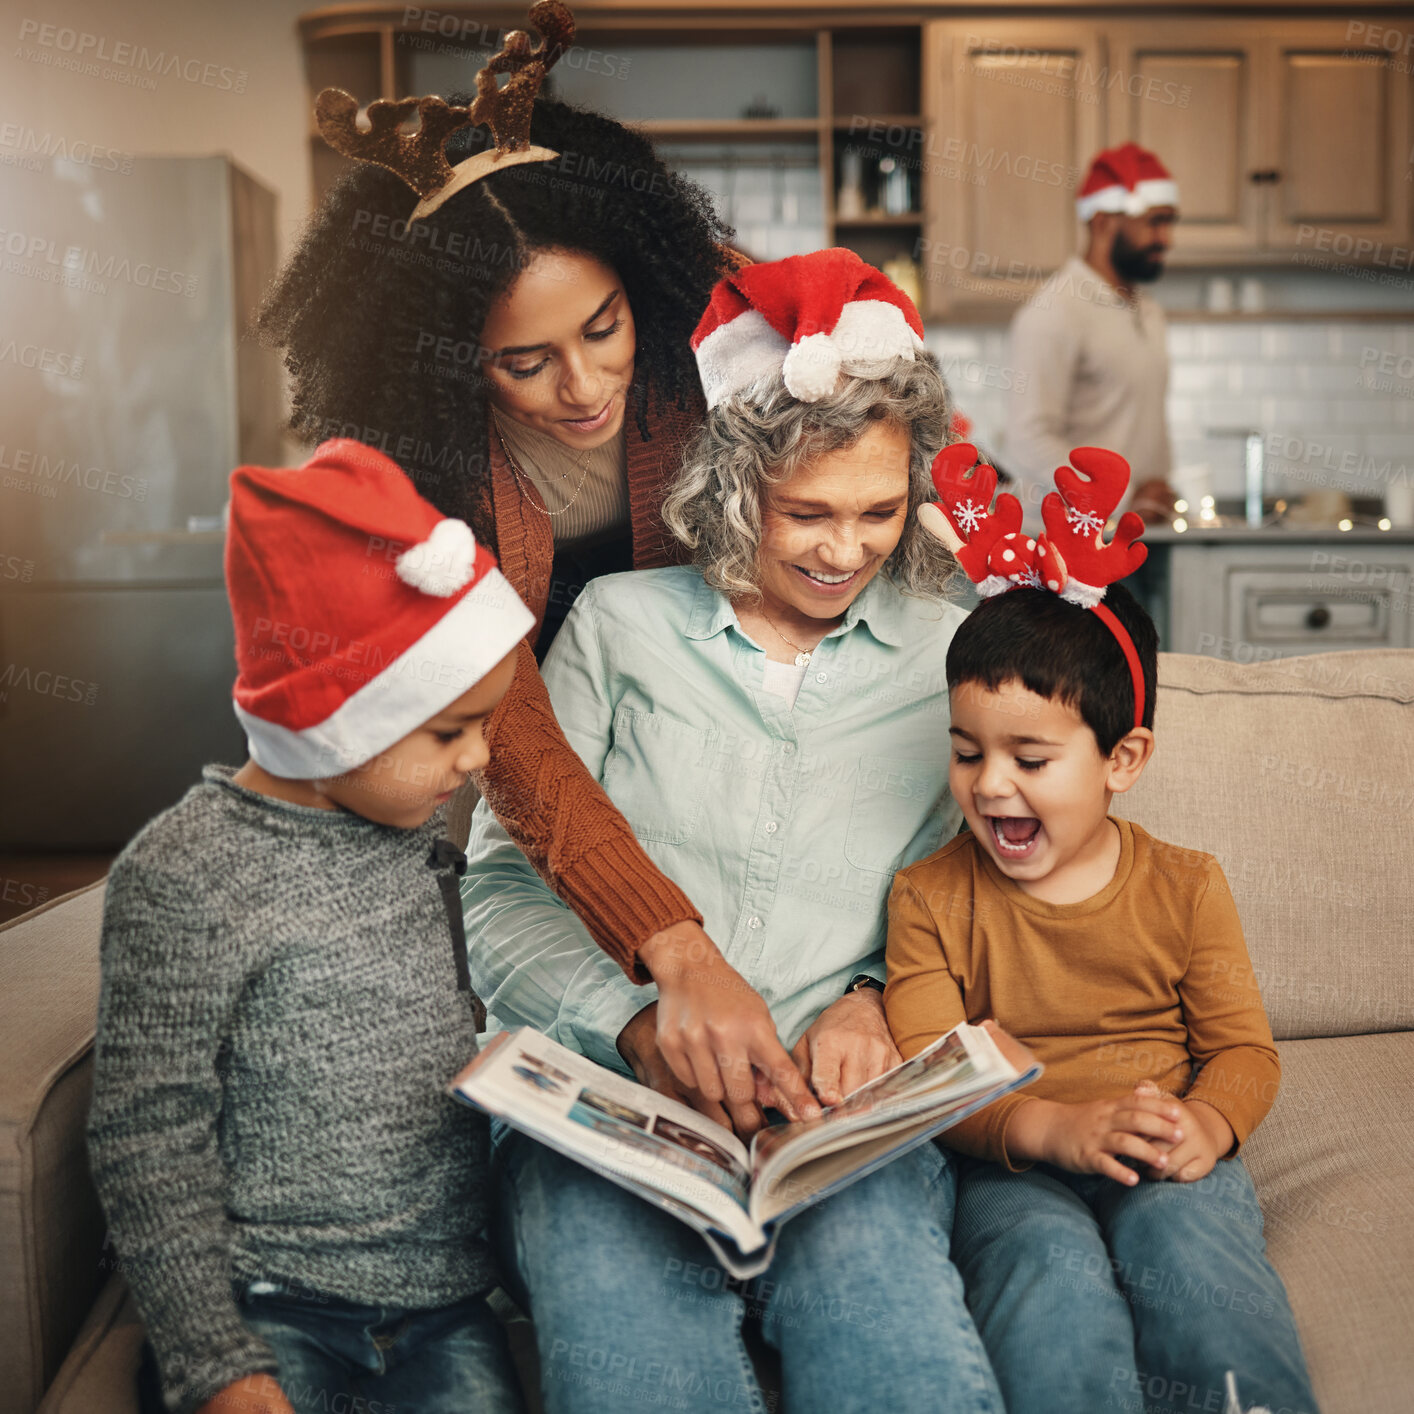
(1337, 125)
(1013, 114)
(1198, 105)
(1279, 142)
(1288, 142)
(1289, 136)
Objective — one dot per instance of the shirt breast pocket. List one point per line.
(658, 774)
(895, 798)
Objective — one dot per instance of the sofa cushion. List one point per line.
(51, 1227)
(1331, 1163)
(100, 1375)
(1298, 774)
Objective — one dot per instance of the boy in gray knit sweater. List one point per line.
(296, 1203)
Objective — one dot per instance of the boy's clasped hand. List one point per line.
(1163, 1136)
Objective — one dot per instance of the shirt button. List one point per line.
(789, 748)
(821, 677)
(771, 827)
(753, 922)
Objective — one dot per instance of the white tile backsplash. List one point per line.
(1298, 342)
(1337, 396)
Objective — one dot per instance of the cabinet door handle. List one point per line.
(1318, 617)
(1264, 174)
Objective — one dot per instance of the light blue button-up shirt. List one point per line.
(784, 825)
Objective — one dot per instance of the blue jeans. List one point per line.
(861, 1301)
(1092, 1296)
(338, 1356)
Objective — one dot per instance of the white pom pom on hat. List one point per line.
(442, 563)
(812, 368)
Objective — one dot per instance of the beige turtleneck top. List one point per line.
(599, 510)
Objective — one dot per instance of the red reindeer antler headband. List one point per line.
(1070, 559)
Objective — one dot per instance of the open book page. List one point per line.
(699, 1171)
(958, 1073)
(648, 1142)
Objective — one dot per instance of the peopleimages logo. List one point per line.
(43, 258)
(97, 56)
(24, 146)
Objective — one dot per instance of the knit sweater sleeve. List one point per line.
(171, 978)
(559, 816)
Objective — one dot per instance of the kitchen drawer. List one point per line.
(1267, 598)
(1310, 612)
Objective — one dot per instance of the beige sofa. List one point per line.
(1297, 774)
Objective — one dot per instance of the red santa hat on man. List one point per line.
(360, 611)
(808, 318)
(1128, 180)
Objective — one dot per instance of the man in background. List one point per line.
(1090, 350)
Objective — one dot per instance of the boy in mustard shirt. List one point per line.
(1108, 1234)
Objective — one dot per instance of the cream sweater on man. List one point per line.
(1089, 369)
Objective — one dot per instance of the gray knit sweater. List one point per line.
(279, 1016)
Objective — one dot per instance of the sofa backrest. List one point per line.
(1298, 774)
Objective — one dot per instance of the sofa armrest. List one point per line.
(51, 1226)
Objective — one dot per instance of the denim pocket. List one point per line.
(657, 773)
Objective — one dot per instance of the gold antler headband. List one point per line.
(418, 157)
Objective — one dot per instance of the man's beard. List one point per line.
(1133, 265)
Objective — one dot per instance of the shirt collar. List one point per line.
(1084, 276)
(879, 607)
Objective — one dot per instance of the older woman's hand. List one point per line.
(638, 1045)
(716, 1033)
(848, 1046)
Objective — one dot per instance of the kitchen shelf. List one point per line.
(733, 129)
(1292, 316)
(850, 126)
(913, 218)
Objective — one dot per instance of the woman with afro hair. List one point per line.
(523, 354)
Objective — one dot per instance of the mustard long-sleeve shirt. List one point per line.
(1147, 979)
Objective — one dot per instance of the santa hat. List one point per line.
(1128, 180)
(360, 611)
(808, 318)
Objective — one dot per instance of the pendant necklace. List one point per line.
(802, 655)
(522, 476)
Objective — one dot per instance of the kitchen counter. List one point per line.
(1275, 535)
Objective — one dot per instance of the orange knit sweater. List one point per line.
(539, 789)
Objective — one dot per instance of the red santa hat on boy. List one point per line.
(360, 611)
(1128, 180)
(809, 318)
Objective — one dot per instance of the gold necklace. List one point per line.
(524, 476)
(802, 655)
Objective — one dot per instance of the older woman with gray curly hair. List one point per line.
(773, 722)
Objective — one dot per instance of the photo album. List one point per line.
(736, 1196)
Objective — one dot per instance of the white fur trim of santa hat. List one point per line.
(460, 649)
(1126, 202)
(739, 354)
